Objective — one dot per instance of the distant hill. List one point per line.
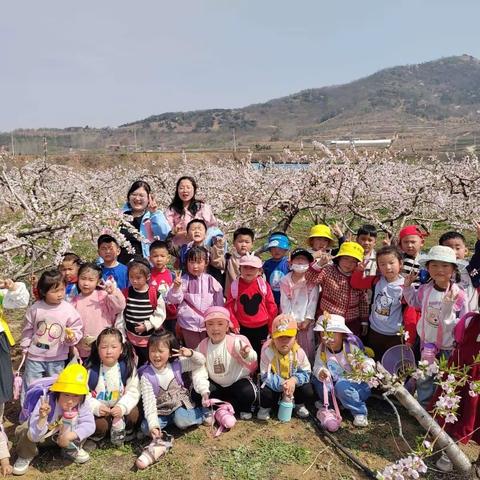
(433, 103)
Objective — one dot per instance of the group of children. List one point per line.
(147, 347)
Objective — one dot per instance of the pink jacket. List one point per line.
(43, 335)
(174, 219)
(98, 311)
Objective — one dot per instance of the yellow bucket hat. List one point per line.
(72, 379)
(321, 231)
(351, 249)
(284, 326)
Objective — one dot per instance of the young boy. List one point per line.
(367, 238)
(69, 269)
(250, 302)
(411, 241)
(277, 267)
(197, 233)
(337, 295)
(284, 370)
(332, 364)
(456, 241)
(299, 299)
(242, 244)
(108, 251)
(162, 279)
(321, 239)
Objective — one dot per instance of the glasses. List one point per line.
(54, 330)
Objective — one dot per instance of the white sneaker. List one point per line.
(360, 420)
(444, 464)
(246, 415)
(21, 465)
(301, 411)
(77, 456)
(263, 413)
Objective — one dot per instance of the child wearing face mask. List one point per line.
(299, 299)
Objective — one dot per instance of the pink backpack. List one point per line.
(230, 339)
(262, 284)
(330, 420)
(224, 415)
(17, 381)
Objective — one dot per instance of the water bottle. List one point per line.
(429, 352)
(68, 420)
(285, 409)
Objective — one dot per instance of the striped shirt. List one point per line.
(138, 309)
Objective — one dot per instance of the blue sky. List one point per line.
(108, 62)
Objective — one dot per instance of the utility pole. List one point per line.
(135, 137)
(45, 149)
(13, 144)
(234, 140)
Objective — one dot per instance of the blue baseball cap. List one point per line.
(279, 240)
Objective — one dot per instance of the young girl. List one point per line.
(284, 370)
(145, 308)
(385, 318)
(251, 303)
(52, 326)
(12, 295)
(97, 308)
(165, 398)
(299, 299)
(114, 387)
(230, 360)
(332, 364)
(61, 417)
(69, 269)
(441, 302)
(194, 292)
(334, 279)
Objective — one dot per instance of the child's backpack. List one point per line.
(37, 389)
(262, 285)
(224, 415)
(149, 373)
(459, 330)
(330, 420)
(230, 339)
(94, 372)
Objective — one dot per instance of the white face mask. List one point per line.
(299, 268)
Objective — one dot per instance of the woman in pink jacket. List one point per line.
(186, 207)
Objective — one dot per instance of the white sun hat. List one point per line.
(336, 323)
(439, 253)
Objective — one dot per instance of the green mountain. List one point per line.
(432, 103)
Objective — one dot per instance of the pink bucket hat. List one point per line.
(217, 312)
(250, 260)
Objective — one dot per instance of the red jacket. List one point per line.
(252, 308)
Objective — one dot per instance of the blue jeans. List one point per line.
(182, 418)
(426, 388)
(35, 369)
(352, 395)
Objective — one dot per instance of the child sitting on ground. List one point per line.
(97, 307)
(250, 302)
(12, 295)
(276, 267)
(456, 241)
(334, 280)
(284, 370)
(145, 309)
(332, 363)
(164, 396)
(242, 244)
(114, 387)
(61, 417)
(441, 302)
(194, 292)
(299, 299)
(51, 327)
(112, 269)
(385, 319)
(230, 360)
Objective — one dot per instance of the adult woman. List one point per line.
(148, 222)
(186, 207)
